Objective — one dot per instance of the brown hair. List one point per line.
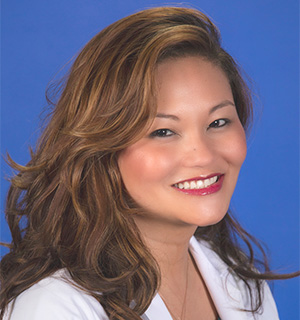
(78, 214)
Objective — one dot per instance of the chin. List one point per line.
(210, 220)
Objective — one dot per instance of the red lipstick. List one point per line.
(215, 187)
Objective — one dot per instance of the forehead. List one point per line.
(192, 68)
(189, 81)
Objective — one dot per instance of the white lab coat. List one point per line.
(55, 298)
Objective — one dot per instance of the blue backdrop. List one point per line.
(40, 36)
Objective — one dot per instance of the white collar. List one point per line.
(221, 285)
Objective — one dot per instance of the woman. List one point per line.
(126, 196)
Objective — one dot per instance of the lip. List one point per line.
(205, 191)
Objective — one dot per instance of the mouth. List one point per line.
(201, 186)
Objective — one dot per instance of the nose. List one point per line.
(199, 151)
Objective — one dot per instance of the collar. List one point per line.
(220, 283)
(224, 288)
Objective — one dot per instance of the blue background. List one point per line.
(39, 37)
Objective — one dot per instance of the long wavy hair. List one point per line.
(68, 208)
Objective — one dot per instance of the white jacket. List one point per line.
(55, 298)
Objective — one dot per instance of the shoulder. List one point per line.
(55, 298)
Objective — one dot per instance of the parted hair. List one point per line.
(68, 207)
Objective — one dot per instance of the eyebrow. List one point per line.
(167, 116)
(221, 105)
(212, 110)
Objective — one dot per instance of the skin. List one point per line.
(203, 136)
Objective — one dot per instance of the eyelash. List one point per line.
(216, 123)
(164, 132)
(161, 133)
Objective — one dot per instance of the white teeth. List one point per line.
(213, 179)
(193, 185)
(200, 184)
(196, 184)
(206, 183)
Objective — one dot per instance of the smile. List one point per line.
(200, 186)
(196, 184)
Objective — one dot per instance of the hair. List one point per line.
(68, 207)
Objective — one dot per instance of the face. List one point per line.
(184, 170)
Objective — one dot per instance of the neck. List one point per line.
(169, 245)
(181, 283)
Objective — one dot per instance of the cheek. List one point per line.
(237, 147)
(147, 165)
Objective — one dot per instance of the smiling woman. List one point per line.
(190, 158)
(125, 200)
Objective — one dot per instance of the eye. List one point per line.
(219, 123)
(161, 133)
